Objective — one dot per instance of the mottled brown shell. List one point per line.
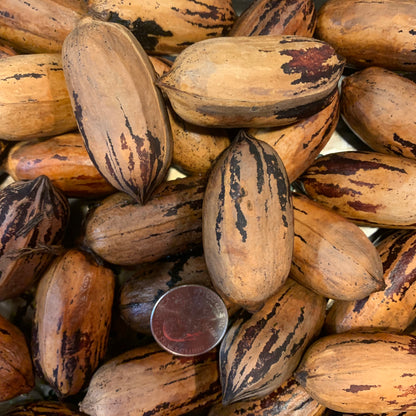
(37, 26)
(34, 100)
(260, 352)
(369, 188)
(377, 104)
(196, 148)
(361, 372)
(121, 231)
(410, 413)
(126, 132)
(391, 310)
(299, 144)
(16, 372)
(331, 255)
(74, 300)
(43, 408)
(290, 399)
(276, 17)
(5, 147)
(247, 223)
(169, 26)
(371, 32)
(64, 160)
(34, 216)
(6, 50)
(139, 294)
(76, 5)
(150, 381)
(161, 65)
(256, 81)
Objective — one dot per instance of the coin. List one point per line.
(189, 320)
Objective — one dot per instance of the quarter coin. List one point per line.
(189, 320)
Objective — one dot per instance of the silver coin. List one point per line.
(189, 320)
